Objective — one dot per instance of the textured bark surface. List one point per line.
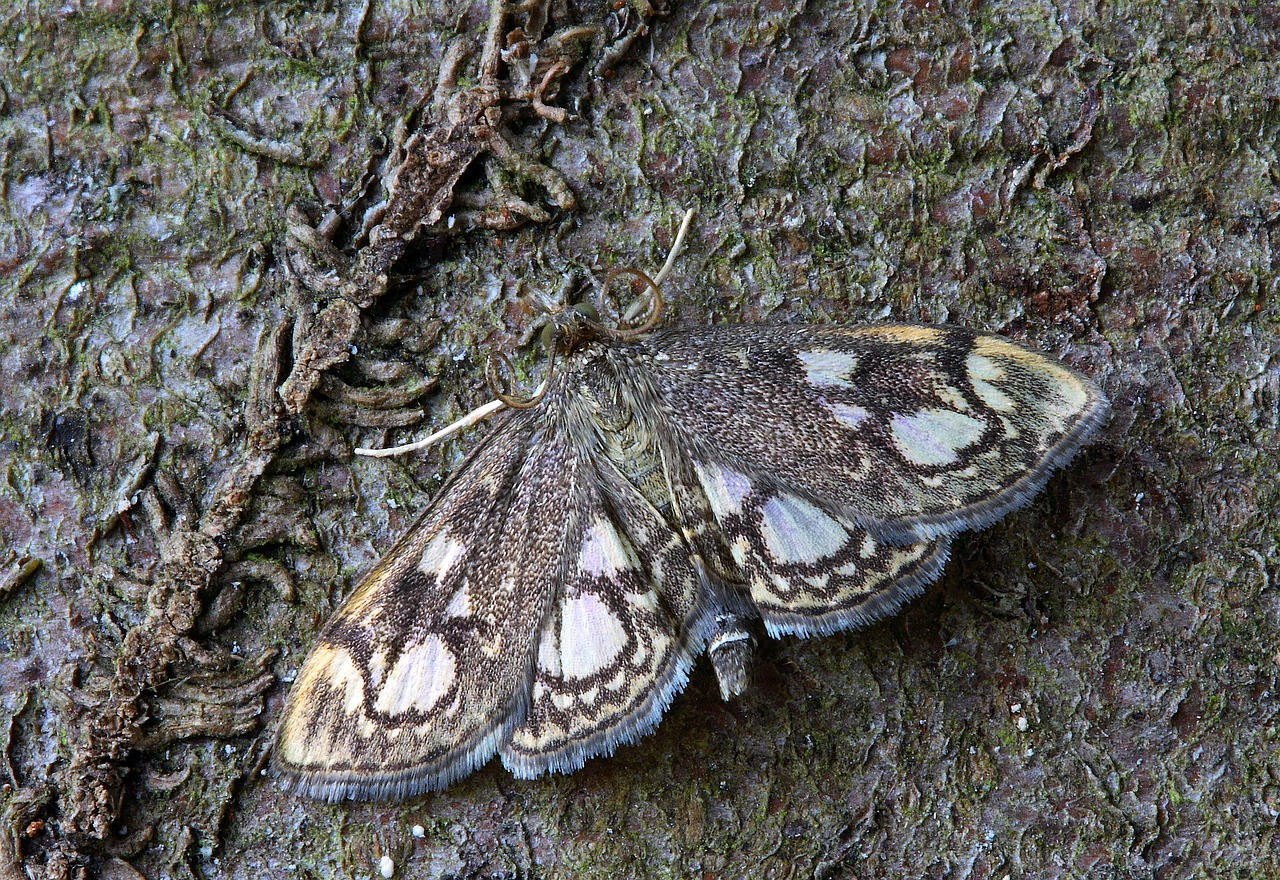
(1090, 691)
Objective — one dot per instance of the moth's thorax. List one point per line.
(613, 391)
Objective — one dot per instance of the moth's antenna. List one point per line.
(461, 424)
(676, 247)
(491, 378)
(505, 401)
(633, 311)
(658, 304)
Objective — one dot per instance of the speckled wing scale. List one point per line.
(661, 495)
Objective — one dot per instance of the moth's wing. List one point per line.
(808, 571)
(426, 669)
(912, 432)
(619, 639)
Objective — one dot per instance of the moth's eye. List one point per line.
(587, 310)
(571, 327)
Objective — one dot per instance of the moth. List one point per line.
(667, 493)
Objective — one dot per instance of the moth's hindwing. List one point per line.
(425, 670)
(620, 636)
(912, 432)
(809, 571)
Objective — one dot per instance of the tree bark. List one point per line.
(1090, 691)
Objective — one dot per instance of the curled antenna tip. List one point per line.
(506, 398)
(546, 305)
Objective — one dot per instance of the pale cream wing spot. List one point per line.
(983, 373)
(869, 547)
(591, 636)
(952, 397)
(935, 437)
(336, 670)
(796, 531)
(647, 601)
(982, 367)
(1070, 400)
(377, 667)
(825, 368)
(641, 654)
(496, 648)
(851, 569)
(725, 488)
(422, 675)
(460, 604)
(440, 555)
(602, 551)
(548, 655)
(851, 415)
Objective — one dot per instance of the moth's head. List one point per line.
(570, 328)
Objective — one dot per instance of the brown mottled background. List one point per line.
(1091, 691)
